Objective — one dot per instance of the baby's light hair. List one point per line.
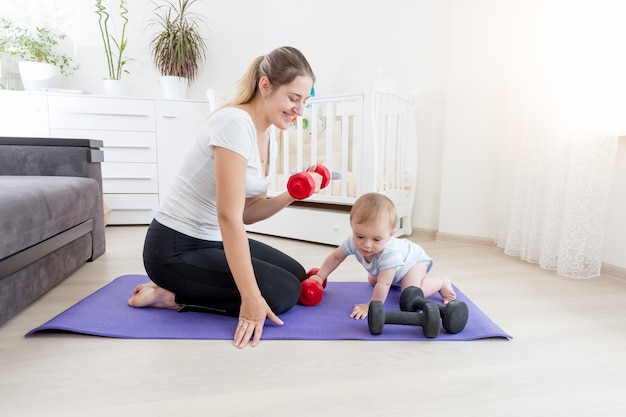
(370, 207)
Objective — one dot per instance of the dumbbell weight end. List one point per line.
(376, 317)
(454, 316)
(311, 291)
(324, 173)
(300, 185)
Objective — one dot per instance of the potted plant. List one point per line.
(114, 48)
(178, 47)
(40, 63)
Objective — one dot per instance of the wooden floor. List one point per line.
(567, 358)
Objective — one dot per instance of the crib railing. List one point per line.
(362, 139)
(392, 154)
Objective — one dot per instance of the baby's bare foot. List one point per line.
(447, 292)
(151, 295)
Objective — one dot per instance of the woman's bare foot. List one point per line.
(151, 295)
(446, 291)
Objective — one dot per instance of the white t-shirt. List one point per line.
(401, 254)
(190, 206)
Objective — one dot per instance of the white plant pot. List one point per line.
(174, 87)
(113, 88)
(38, 75)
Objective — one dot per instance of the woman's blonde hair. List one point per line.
(281, 66)
(371, 207)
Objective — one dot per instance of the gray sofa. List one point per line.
(51, 215)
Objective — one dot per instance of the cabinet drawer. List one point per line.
(101, 113)
(132, 178)
(132, 208)
(118, 146)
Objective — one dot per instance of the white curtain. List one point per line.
(566, 103)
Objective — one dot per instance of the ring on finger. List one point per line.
(244, 326)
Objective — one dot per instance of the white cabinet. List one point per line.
(23, 115)
(177, 124)
(84, 112)
(144, 140)
(127, 147)
(127, 129)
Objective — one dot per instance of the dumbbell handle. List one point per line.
(404, 317)
(302, 184)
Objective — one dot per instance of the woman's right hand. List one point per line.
(317, 178)
(252, 315)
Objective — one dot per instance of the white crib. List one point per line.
(367, 140)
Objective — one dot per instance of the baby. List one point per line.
(389, 261)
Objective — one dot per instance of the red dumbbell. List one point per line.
(310, 290)
(302, 184)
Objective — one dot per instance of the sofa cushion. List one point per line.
(33, 208)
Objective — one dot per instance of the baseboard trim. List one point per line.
(607, 270)
(613, 271)
(470, 240)
(423, 234)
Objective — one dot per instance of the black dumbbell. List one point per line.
(454, 315)
(428, 319)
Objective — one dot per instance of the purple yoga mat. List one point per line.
(106, 313)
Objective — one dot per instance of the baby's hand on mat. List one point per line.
(360, 311)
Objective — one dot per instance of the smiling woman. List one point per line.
(197, 252)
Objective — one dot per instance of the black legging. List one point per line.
(197, 272)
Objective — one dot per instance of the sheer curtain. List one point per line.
(566, 99)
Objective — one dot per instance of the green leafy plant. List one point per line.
(114, 48)
(177, 48)
(38, 45)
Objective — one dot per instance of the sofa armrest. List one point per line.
(46, 157)
(51, 157)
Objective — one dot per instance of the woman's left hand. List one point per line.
(252, 317)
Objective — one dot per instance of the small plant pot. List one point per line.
(113, 88)
(174, 87)
(39, 75)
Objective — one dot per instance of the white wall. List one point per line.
(452, 50)
(469, 178)
(228, 29)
